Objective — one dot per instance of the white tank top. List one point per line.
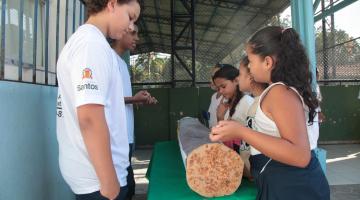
(265, 125)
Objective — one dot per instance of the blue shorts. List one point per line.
(276, 180)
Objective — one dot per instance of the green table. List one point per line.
(167, 179)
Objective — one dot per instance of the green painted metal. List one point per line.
(316, 4)
(333, 9)
(159, 122)
(341, 107)
(152, 122)
(184, 102)
(303, 22)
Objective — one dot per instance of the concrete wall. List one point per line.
(28, 147)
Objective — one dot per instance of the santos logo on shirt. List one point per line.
(87, 73)
(87, 86)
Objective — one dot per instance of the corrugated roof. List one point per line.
(221, 27)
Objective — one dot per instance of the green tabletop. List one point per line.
(167, 179)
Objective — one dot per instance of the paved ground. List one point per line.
(343, 171)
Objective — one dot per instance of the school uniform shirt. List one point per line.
(251, 113)
(265, 125)
(241, 110)
(129, 110)
(88, 73)
(239, 115)
(213, 109)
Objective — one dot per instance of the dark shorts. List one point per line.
(130, 177)
(97, 195)
(280, 181)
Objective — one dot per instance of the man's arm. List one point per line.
(96, 137)
(142, 97)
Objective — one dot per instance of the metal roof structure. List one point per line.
(220, 26)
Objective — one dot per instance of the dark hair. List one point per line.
(229, 72)
(291, 64)
(95, 6)
(245, 61)
(220, 65)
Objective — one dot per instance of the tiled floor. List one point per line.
(343, 171)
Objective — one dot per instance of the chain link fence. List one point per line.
(340, 62)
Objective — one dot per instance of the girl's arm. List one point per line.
(284, 107)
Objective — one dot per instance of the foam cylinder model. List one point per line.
(212, 169)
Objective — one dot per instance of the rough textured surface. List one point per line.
(214, 170)
(192, 134)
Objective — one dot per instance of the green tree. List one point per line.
(149, 67)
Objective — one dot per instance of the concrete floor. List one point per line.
(343, 171)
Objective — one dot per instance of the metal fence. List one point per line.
(32, 34)
(154, 70)
(337, 51)
(340, 62)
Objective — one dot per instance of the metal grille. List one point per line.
(221, 27)
(340, 62)
(32, 35)
(338, 56)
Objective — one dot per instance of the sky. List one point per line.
(346, 19)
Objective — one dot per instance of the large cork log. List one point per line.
(212, 169)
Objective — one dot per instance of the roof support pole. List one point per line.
(176, 38)
(303, 22)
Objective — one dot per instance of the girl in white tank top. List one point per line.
(282, 163)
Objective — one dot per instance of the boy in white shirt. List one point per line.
(128, 42)
(93, 150)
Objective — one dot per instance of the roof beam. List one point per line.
(207, 25)
(144, 29)
(167, 21)
(222, 4)
(156, 2)
(230, 44)
(227, 24)
(333, 9)
(168, 37)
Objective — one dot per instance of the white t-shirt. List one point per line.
(127, 93)
(88, 74)
(213, 109)
(241, 110)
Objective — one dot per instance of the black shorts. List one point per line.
(280, 181)
(97, 195)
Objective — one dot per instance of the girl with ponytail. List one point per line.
(283, 137)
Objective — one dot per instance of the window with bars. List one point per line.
(33, 33)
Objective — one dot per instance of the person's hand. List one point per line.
(221, 109)
(322, 117)
(110, 190)
(142, 97)
(226, 131)
(152, 100)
